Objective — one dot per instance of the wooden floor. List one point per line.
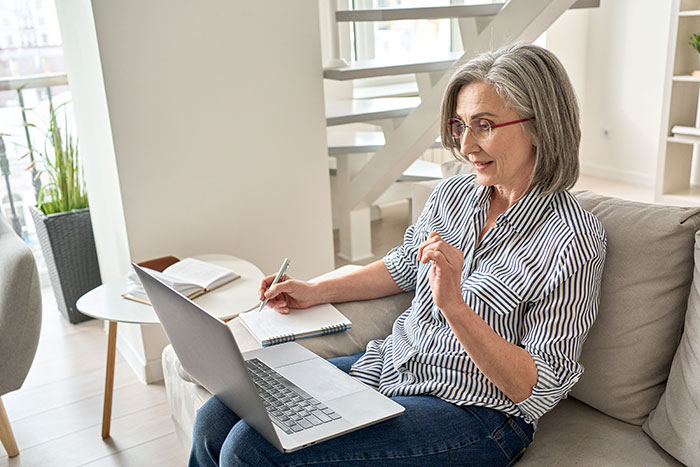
(56, 416)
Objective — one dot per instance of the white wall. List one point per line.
(625, 67)
(218, 123)
(616, 56)
(203, 130)
(567, 38)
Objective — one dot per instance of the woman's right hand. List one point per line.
(287, 293)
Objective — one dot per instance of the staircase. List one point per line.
(409, 124)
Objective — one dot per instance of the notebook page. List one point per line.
(268, 324)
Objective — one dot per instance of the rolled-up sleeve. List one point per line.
(556, 325)
(402, 261)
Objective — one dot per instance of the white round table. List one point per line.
(105, 302)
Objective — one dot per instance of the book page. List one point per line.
(205, 275)
(268, 324)
(135, 288)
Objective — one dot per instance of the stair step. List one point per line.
(375, 67)
(367, 110)
(419, 171)
(438, 12)
(407, 89)
(357, 142)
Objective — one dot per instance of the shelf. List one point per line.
(679, 165)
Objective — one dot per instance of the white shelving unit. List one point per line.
(678, 174)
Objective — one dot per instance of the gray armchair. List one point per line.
(20, 320)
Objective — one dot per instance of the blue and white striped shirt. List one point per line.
(534, 278)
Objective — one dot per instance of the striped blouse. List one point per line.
(534, 278)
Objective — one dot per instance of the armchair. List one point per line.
(20, 320)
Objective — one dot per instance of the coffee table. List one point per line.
(105, 302)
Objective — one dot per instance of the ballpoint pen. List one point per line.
(283, 269)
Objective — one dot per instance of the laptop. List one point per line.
(289, 395)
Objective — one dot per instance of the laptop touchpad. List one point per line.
(320, 379)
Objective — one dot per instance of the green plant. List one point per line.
(695, 41)
(65, 190)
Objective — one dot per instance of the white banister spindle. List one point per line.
(335, 61)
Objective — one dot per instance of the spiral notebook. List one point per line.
(269, 327)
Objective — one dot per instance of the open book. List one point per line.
(191, 277)
(269, 327)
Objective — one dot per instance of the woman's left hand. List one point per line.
(445, 276)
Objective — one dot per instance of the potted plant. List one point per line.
(695, 43)
(62, 219)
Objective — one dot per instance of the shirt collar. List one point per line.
(483, 196)
(524, 215)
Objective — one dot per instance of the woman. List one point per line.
(506, 269)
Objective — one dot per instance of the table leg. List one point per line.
(109, 378)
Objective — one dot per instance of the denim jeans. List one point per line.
(430, 432)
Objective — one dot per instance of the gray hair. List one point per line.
(533, 82)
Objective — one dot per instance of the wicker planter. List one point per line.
(69, 251)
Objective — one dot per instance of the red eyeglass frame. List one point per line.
(491, 127)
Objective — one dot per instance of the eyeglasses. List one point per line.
(480, 128)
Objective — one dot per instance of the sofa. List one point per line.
(638, 401)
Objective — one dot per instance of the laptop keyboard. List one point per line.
(290, 408)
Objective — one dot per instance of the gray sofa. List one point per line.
(638, 402)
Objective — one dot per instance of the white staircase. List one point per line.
(410, 124)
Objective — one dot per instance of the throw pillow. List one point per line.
(648, 270)
(673, 424)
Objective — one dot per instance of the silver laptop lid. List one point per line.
(196, 337)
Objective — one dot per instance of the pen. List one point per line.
(283, 269)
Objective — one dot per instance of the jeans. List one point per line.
(430, 432)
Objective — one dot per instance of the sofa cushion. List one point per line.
(674, 422)
(645, 285)
(575, 434)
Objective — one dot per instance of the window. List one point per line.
(402, 39)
